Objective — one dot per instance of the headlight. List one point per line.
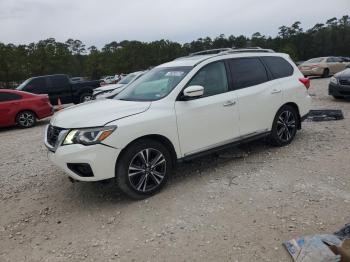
(334, 80)
(89, 136)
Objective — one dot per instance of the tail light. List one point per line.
(305, 81)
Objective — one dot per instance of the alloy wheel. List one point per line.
(26, 119)
(286, 126)
(147, 170)
(87, 98)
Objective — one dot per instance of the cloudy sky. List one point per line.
(97, 22)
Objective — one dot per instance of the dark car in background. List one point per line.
(60, 87)
(339, 86)
(22, 108)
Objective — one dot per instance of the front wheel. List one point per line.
(85, 97)
(284, 126)
(25, 119)
(143, 168)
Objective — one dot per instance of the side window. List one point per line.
(213, 78)
(5, 97)
(58, 81)
(278, 66)
(247, 72)
(330, 60)
(37, 86)
(338, 59)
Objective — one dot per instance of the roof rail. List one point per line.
(249, 50)
(210, 51)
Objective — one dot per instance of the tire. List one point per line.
(325, 73)
(338, 97)
(285, 125)
(139, 178)
(26, 119)
(85, 97)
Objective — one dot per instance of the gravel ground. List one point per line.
(239, 205)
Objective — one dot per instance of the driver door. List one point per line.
(211, 120)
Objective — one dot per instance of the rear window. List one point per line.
(247, 72)
(4, 97)
(278, 66)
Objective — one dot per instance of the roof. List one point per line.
(197, 59)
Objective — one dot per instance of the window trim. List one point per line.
(180, 96)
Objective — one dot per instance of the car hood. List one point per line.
(343, 74)
(97, 113)
(107, 87)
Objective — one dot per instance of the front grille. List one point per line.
(344, 82)
(52, 134)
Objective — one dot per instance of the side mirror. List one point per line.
(193, 92)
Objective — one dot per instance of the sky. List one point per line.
(97, 22)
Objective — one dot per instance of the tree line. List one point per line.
(19, 62)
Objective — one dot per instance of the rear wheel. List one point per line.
(285, 126)
(143, 168)
(26, 119)
(325, 73)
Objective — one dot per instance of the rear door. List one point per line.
(259, 96)
(9, 107)
(59, 86)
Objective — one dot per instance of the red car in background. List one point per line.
(22, 108)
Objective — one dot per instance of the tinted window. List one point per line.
(58, 81)
(4, 97)
(278, 66)
(330, 60)
(36, 86)
(213, 78)
(338, 59)
(247, 72)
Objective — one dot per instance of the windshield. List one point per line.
(21, 86)
(314, 60)
(126, 80)
(154, 85)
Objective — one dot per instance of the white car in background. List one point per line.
(178, 111)
(104, 91)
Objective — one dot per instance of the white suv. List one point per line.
(177, 111)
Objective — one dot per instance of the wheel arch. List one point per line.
(156, 137)
(24, 110)
(295, 106)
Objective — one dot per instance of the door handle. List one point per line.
(230, 103)
(276, 91)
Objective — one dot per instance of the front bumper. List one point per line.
(101, 158)
(339, 90)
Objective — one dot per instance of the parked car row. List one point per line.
(105, 91)
(178, 111)
(60, 87)
(324, 66)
